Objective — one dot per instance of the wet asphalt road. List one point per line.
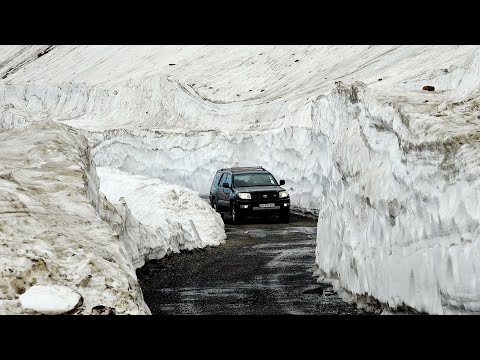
(263, 268)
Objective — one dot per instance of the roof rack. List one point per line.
(243, 168)
(246, 168)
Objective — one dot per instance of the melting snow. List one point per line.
(391, 170)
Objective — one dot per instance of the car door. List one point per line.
(224, 193)
(214, 187)
(219, 192)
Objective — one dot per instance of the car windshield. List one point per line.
(254, 179)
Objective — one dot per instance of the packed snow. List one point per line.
(50, 300)
(50, 234)
(390, 169)
(178, 219)
(399, 220)
(59, 236)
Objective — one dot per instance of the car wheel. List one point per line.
(285, 218)
(235, 217)
(214, 204)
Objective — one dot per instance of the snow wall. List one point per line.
(391, 170)
(64, 247)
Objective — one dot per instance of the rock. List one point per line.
(429, 88)
(394, 208)
(46, 51)
(103, 310)
(380, 79)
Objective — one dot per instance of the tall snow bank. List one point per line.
(391, 170)
(191, 159)
(400, 212)
(162, 218)
(64, 246)
(50, 234)
(264, 104)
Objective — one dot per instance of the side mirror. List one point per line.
(282, 182)
(225, 185)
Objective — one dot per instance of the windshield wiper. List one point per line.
(258, 185)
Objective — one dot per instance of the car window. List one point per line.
(222, 179)
(229, 179)
(216, 178)
(255, 179)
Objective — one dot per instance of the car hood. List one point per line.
(252, 189)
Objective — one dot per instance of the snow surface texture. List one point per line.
(51, 227)
(391, 170)
(168, 211)
(400, 215)
(215, 101)
(50, 234)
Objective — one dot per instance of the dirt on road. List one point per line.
(263, 268)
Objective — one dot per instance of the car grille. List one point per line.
(270, 195)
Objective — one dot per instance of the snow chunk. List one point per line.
(53, 299)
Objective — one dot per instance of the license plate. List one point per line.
(266, 205)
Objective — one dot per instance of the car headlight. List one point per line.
(283, 194)
(244, 196)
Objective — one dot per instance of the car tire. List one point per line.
(235, 218)
(215, 207)
(285, 217)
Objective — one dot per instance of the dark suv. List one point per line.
(249, 191)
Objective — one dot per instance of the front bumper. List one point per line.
(252, 207)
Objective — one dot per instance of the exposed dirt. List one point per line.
(264, 268)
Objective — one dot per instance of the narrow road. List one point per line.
(263, 268)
